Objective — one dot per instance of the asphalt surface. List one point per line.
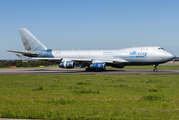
(59, 71)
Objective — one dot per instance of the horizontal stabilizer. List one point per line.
(24, 53)
(21, 57)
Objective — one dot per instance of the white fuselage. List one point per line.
(138, 55)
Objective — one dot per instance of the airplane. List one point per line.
(93, 60)
(21, 57)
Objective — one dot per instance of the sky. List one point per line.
(90, 24)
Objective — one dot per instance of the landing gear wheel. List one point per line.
(87, 69)
(155, 68)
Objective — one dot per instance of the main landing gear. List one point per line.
(93, 69)
(155, 68)
(90, 69)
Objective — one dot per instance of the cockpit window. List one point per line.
(160, 49)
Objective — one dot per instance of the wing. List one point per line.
(84, 62)
(78, 62)
(115, 61)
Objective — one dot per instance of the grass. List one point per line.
(75, 97)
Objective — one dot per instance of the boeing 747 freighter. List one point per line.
(93, 60)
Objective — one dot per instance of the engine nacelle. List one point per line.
(100, 66)
(67, 64)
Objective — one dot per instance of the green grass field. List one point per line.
(79, 97)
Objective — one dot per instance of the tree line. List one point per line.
(20, 63)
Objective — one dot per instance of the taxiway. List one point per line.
(59, 71)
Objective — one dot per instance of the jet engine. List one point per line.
(67, 64)
(98, 66)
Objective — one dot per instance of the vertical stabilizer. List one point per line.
(31, 43)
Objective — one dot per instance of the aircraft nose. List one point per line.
(169, 56)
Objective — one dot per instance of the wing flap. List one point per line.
(82, 60)
(114, 61)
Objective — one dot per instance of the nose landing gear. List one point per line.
(155, 68)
